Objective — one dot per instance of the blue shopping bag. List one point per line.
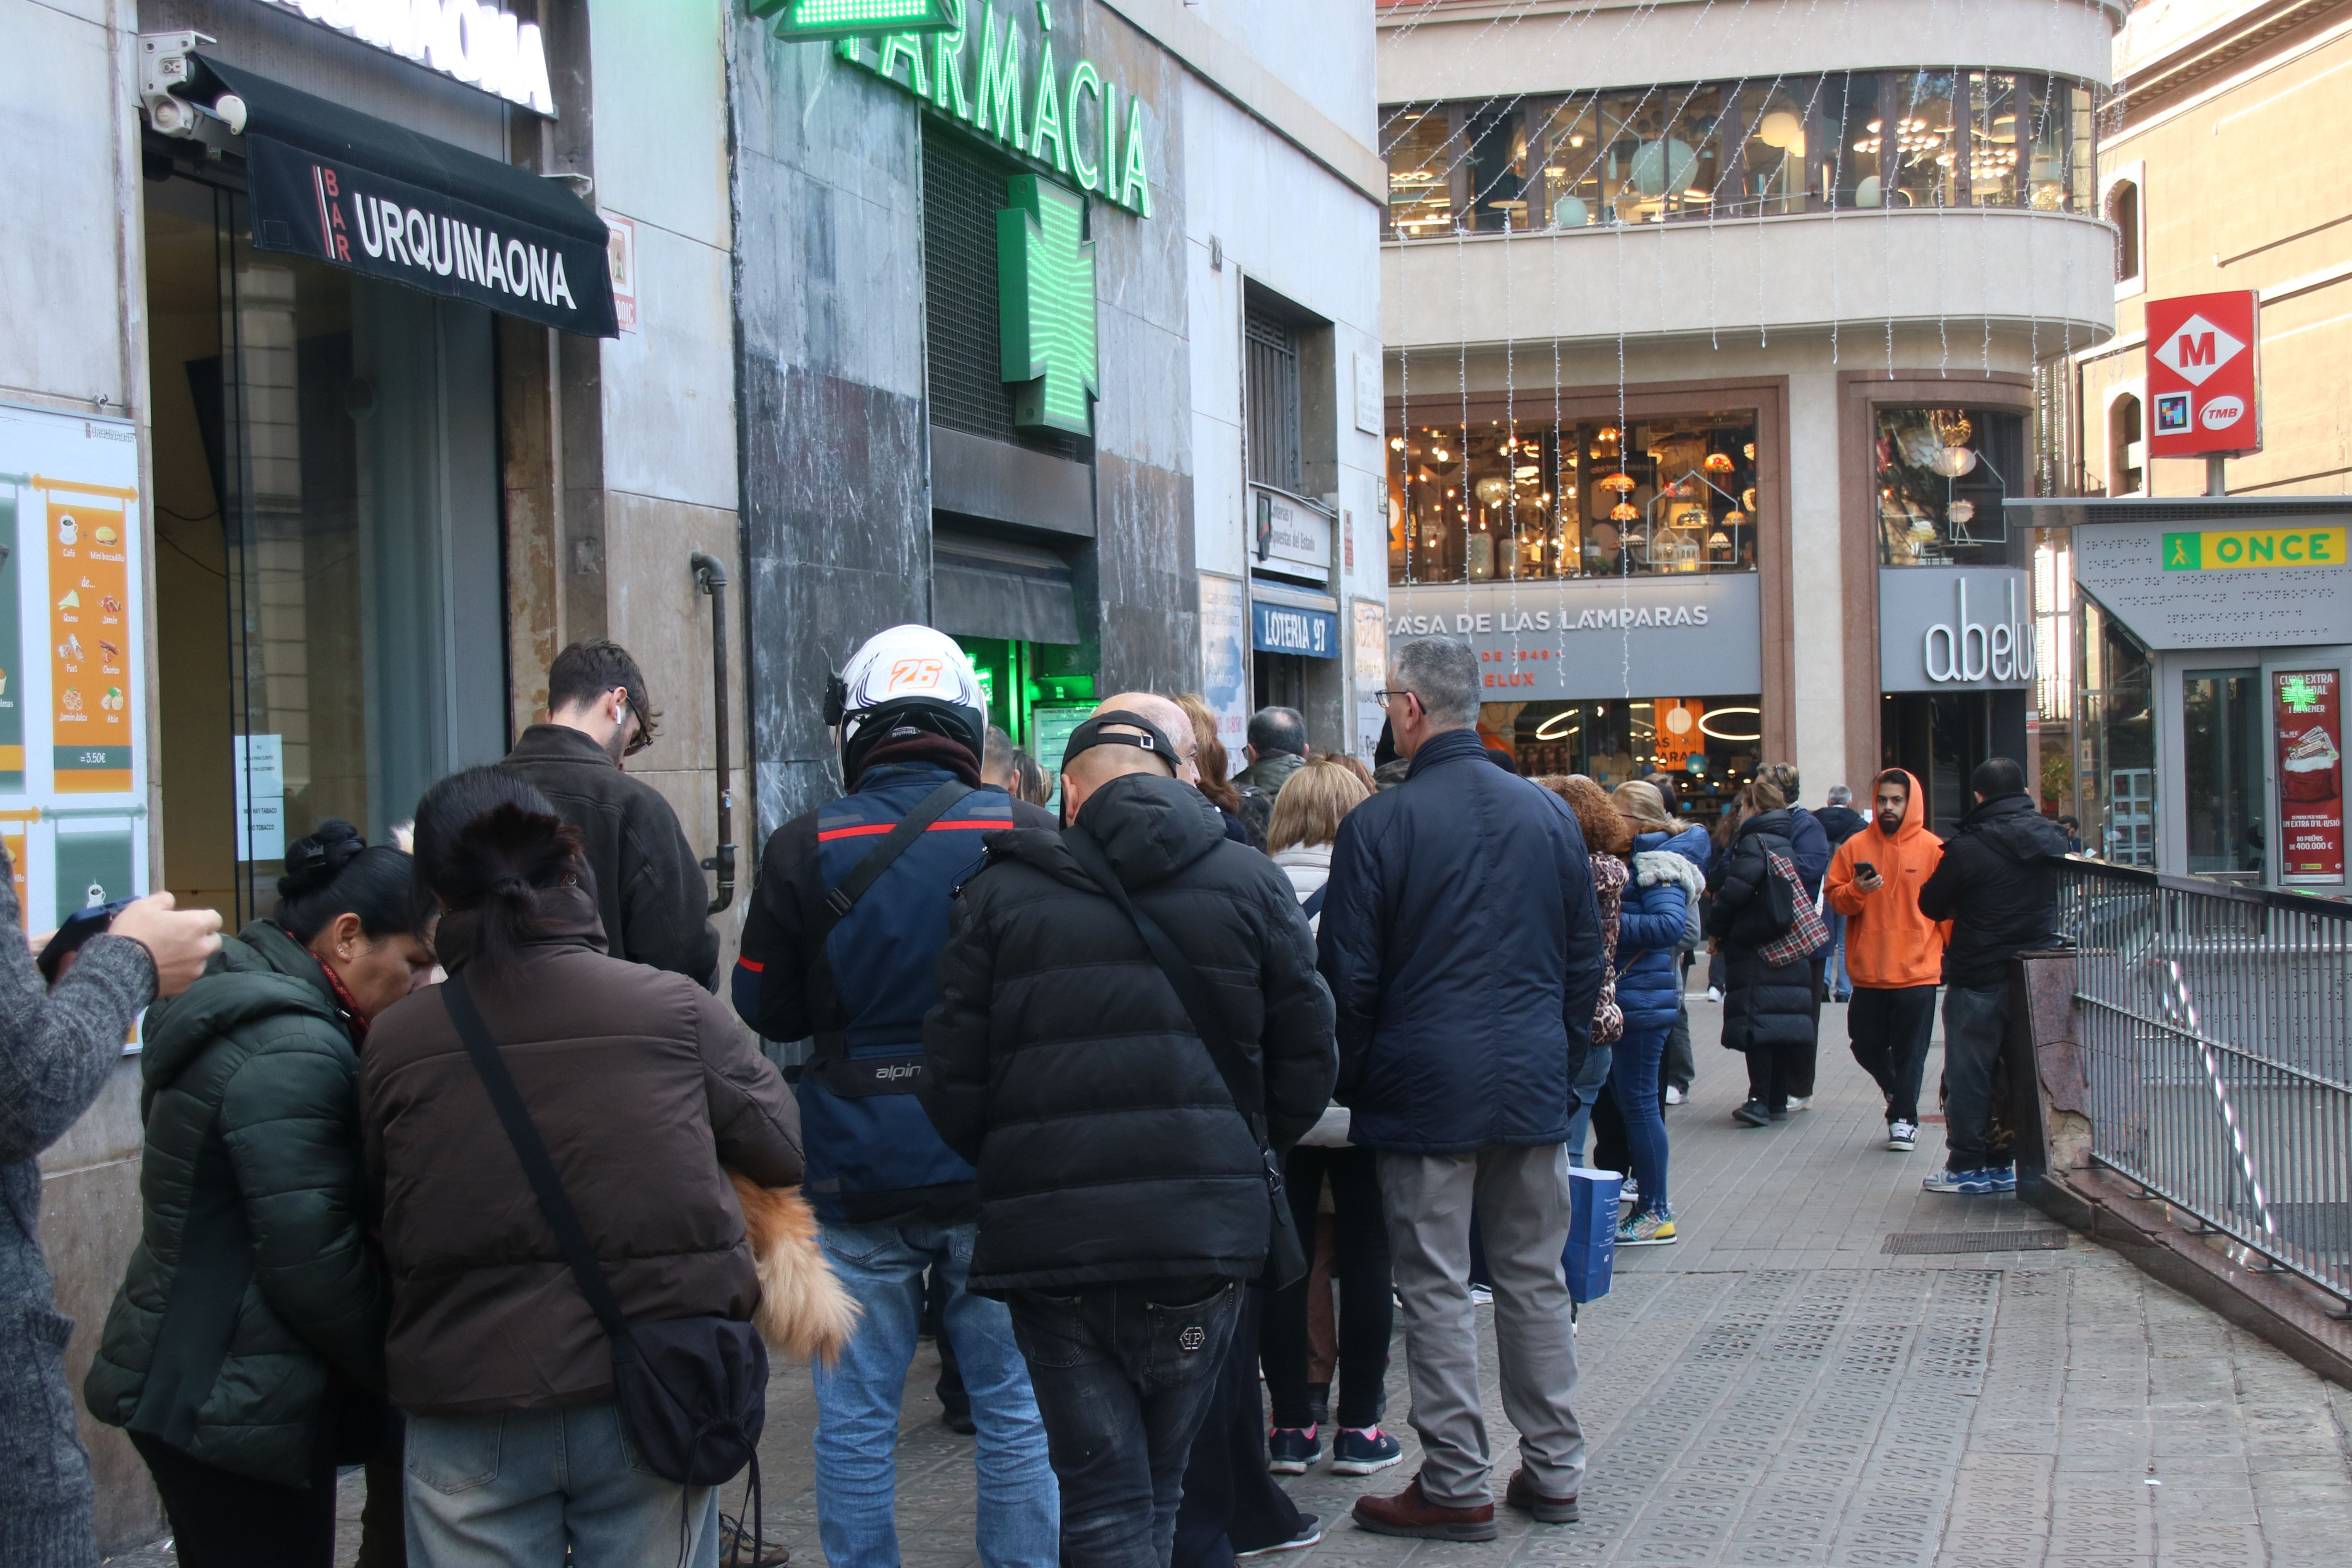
(1592, 1231)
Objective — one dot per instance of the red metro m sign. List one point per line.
(2203, 375)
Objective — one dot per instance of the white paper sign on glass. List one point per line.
(260, 765)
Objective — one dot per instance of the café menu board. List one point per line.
(73, 763)
(2307, 727)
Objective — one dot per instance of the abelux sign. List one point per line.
(2204, 375)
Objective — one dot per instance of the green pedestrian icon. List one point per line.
(1045, 306)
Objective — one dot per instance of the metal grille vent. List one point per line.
(963, 189)
(1915, 1241)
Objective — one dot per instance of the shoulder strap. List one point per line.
(843, 897)
(1246, 1087)
(207, 1290)
(561, 1217)
(1312, 904)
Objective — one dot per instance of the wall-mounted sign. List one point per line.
(846, 18)
(2233, 549)
(1371, 650)
(472, 41)
(983, 76)
(1288, 535)
(2143, 574)
(1596, 637)
(73, 713)
(2204, 375)
(621, 259)
(2307, 727)
(1290, 628)
(1225, 663)
(1944, 628)
(1045, 307)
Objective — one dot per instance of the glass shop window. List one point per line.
(1942, 477)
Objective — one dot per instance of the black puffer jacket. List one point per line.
(1059, 1062)
(1998, 884)
(1764, 1003)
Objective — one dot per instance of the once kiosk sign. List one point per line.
(1954, 629)
(2177, 586)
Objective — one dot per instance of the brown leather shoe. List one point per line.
(1521, 1494)
(1410, 1513)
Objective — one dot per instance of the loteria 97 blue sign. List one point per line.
(1285, 628)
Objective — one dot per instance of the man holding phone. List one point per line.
(1895, 952)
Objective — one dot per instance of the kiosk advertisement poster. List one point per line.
(73, 765)
(2308, 724)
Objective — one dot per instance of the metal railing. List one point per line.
(2217, 1041)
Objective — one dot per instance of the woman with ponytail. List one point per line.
(640, 1083)
(245, 1351)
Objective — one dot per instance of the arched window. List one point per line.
(2126, 448)
(2123, 211)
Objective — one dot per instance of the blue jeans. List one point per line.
(1124, 1376)
(1633, 1084)
(1018, 1517)
(1581, 1093)
(484, 1491)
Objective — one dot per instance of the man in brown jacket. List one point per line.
(633, 1078)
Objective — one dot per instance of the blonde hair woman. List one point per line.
(1299, 836)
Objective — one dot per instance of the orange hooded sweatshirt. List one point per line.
(1888, 942)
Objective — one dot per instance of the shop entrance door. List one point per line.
(329, 601)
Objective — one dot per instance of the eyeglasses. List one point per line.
(644, 737)
(1388, 698)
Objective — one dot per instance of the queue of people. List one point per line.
(456, 1169)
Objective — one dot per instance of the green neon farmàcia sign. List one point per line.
(842, 18)
(1004, 86)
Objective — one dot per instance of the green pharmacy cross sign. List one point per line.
(2297, 695)
(849, 18)
(1045, 306)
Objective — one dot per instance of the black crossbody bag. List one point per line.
(692, 1391)
(1285, 1258)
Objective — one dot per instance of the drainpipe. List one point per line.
(711, 577)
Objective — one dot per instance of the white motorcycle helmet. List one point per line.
(906, 681)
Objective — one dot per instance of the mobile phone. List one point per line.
(1865, 868)
(78, 928)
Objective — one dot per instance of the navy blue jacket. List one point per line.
(1462, 942)
(1651, 919)
(873, 1158)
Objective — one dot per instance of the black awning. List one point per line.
(347, 188)
(983, 586)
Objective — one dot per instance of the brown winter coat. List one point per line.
(641, 1085)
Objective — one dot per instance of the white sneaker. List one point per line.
(1801, 1102)
(1676, 1096)
(1481, 1297)
(1714, 994)
(1902, 1136)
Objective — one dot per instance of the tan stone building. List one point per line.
(2225, 161)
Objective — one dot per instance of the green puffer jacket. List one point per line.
(260, 1041)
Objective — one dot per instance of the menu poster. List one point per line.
(12, 651)
(90, 678)
(2307, 719)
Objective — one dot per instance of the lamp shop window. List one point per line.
(1522, 501)
(1942, 137)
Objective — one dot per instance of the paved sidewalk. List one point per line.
(1777, 1388)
